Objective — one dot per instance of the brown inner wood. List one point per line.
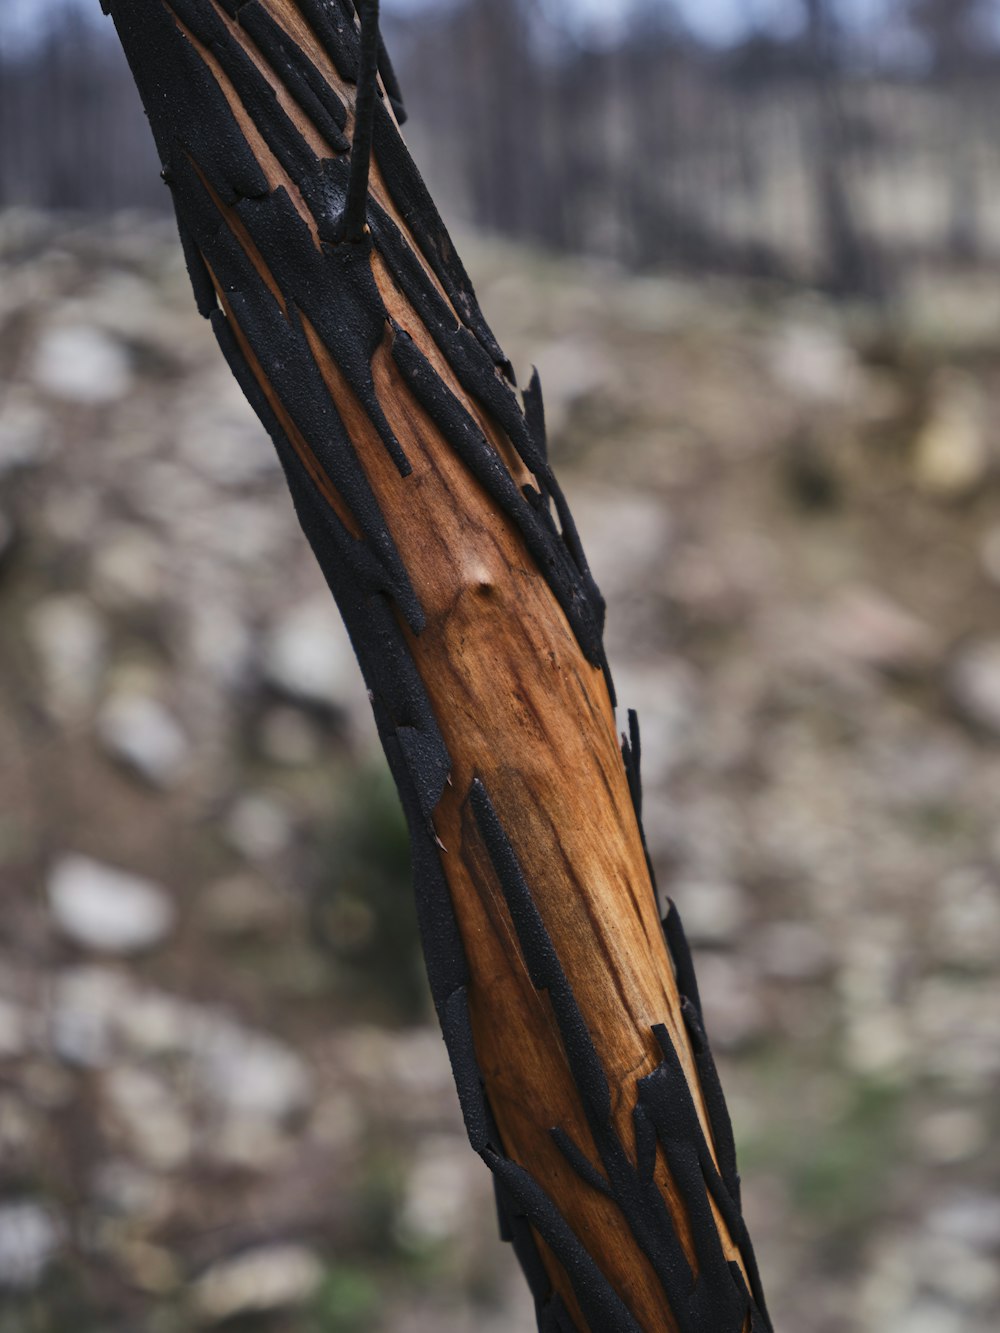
(521, 708)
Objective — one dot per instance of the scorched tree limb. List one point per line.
(421, 479)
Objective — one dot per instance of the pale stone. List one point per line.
(29, 1239)
(867, 627)
(250, 1073)
(152, 1118)
(106, 910)
(989, 553)
(950, 1136)
(792, 951)
(974, 683)
(440, 1193)
(812, 361)
(733, 1011)
(15, 1030)
(667, 699)
(142, 734)
(951, 453)
(287, 737)
(272, 1277)
(219, 642)
(81, 364)
(972, 1218)
(84, 1006)
(878, 1044)
(70, 641)
(713, 911)
(259, 827)
(243, 905)
(966, 918)
(308, 657)
(571, 370)
(155, 1024)
(121, 1187)
(126, 569)
(24, 433)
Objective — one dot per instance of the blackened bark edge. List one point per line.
(424, 488)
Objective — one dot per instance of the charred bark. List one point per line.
(421, 479)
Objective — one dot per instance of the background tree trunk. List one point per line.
(571, 1017)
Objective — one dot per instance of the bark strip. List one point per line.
(421, 479)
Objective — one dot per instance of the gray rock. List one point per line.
(22, 1129)
(288, 737)
(948, 312)
(792, 951)
(70, 642)
(250, 1073)
(966, 919)
(69, 516)
(442, 1193)
(713, 911)
(734, 1014)
(83, 1008)
(967, 1281)
(415, 1062)
(210, 403)
(366, 1053)
(145, 1107)
(106, 910)
(81, 364)
(24, 434)
(951, 453)
(123, 1188)
(140, 733)
(811, 361)
(259, 827)
(227, 444)
(242, 905)
(667, 698)
(245, 533)
(927, 1316)
(974, 684)
(219, 643)
(625, 534)
(925, 769)
(29, 1239)
(126, 569)
(989, 553)
(96, 1015)
(15, 1030)
(154, 1024)
(879, 1045)
(572, 371)
(271, 1277)
(952, 1135)
(865, 626)
(972, 1218)
(308, 657)
(954, 1029)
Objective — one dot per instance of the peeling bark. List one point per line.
(421, 479)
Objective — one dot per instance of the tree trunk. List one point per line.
(571, 1018)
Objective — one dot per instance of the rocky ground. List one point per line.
(222, 1099)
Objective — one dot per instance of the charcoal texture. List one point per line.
(277, 281)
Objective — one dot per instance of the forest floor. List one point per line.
(223, 1101)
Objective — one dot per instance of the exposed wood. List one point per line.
(532, 820)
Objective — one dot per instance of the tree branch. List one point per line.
(571, 1017)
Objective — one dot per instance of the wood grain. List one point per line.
(521, 709)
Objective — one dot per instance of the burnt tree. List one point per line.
(420, 476)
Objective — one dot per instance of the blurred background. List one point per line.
(754, 248)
